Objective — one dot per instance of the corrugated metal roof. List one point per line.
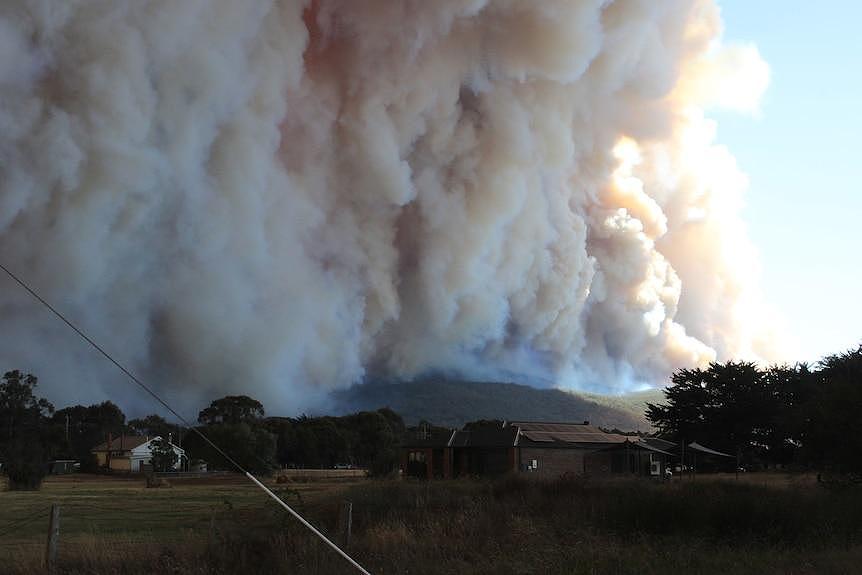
(500, 437)
(586, 436)
(549, 426)
(428, 437)
(637, 444)
(565, 433)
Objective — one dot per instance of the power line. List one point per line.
(155, 396)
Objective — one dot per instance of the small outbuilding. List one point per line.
(63, 466)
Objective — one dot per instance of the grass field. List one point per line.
(761, 523)
(123, 512)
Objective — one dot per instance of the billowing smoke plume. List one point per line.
(281, 196)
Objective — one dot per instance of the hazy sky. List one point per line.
(801, 155)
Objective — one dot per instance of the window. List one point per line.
(416, 456)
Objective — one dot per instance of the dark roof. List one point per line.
(653, 448)
(564, 434)
(626, 445)
(124, 443)
(658, 443)
(427, 437)
(485, 437)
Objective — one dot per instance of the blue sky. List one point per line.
(801, 154)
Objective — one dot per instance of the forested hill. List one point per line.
(453, 403)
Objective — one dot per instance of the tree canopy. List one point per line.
(152, 425)
(84, 427)
(162, 455)
(232, 409)
(25, 431)
(778, 415)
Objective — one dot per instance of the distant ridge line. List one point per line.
(454, 402)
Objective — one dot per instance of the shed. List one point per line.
(63, 466)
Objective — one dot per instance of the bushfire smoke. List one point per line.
(281, 196)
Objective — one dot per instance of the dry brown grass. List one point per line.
(709, 525)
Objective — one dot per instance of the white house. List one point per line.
(132, 454)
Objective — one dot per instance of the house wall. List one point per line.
(621, 462)
(415, 467)
(142, 455)
(121, 464)
(482, 461)
(599, 463)
(553, 463)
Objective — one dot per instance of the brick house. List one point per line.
(555, 449)
(542, 448)
(425, 452)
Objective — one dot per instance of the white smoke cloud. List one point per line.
(280, 197)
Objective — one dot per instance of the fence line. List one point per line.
(24, 521)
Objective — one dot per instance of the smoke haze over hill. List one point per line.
(453, 403)
(283, 197)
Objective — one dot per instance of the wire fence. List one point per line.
(16, 524)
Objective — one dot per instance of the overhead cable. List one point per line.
(165, 404)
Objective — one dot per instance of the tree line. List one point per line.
(33, 433)
(799, 416)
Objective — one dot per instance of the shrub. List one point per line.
(25, 464)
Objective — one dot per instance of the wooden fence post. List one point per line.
(348, 524)
(53, 539)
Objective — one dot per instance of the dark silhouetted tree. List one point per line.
(833, 440)
(235, 423)
(163, 455)
(25, 430)
(151, 426)
(87, 427)
(483, 424)
(232, 409)
(253, 447)
(728, 406)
